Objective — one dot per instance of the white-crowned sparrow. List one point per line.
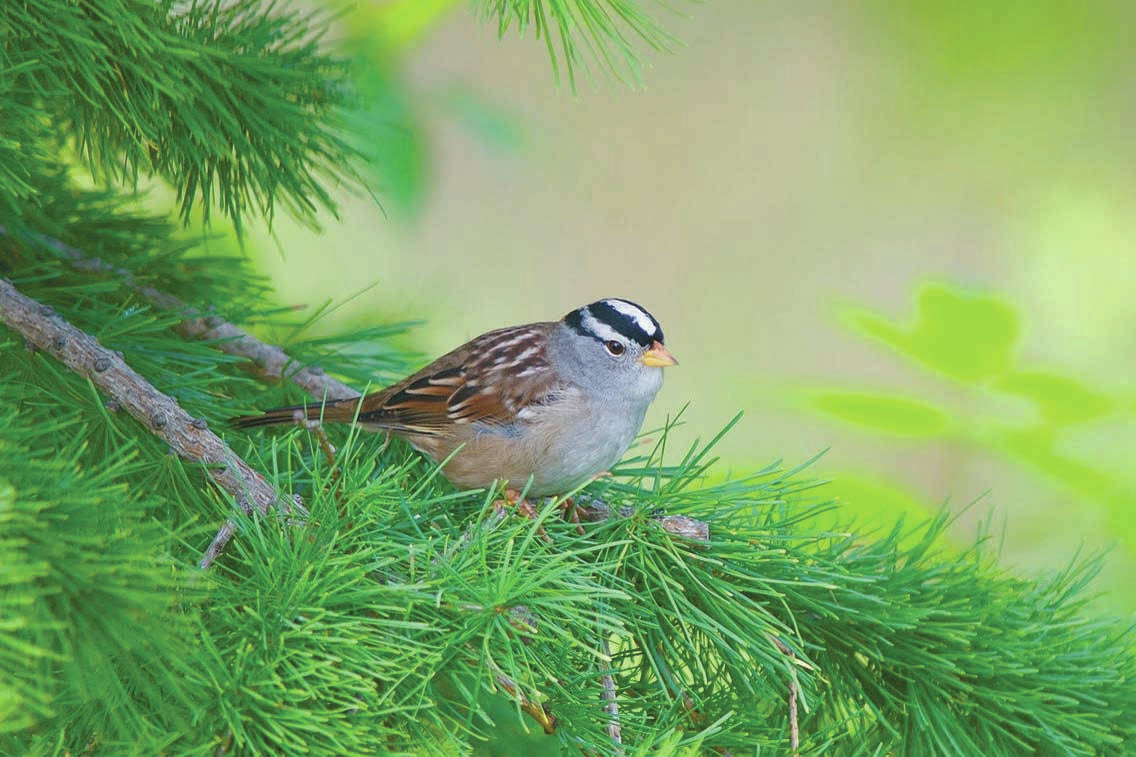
(557, 401)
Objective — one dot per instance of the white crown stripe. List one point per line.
(644, 321)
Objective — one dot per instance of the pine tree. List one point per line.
(170, 586)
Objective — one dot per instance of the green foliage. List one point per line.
(605, 30)
(105, 635)
(575, 32)
(1061, 400)
(966, 337)
(387, 122)
(402, 615)
(895, 415)
(387, 621)
(230, 105)
(972, 339)
(91, 632)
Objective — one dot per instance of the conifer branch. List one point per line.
(342, 643)
(677, 525)
(189, 437)
(794, 728)
(573, 31)
(239, 108)
(268, 362)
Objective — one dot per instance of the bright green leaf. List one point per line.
(1039, 448)
(965, 336)
(889, 414)
(1061, 400)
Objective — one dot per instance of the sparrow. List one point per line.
(543, 407)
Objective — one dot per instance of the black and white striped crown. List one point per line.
(614, 318)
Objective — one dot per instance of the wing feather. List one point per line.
(488, 380)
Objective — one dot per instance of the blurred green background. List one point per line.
(900, 231)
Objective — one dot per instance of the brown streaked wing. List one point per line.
(465, 385)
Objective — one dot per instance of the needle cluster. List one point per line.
(394, 613)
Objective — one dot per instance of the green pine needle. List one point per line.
(235, 108)
(574, 31)
(404, 615)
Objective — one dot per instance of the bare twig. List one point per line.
(794, 732)
(269, 362)
(220, 541)
(225, 745)
(187, 436)
(609, 694)
(794, 729)
(676, 525)
(535, 710)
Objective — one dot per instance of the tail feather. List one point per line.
(338, 411)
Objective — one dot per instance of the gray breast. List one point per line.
(572, 442)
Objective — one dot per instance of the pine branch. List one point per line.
(605, 30)
(594, 510)
(269, 362)
(236, 107)
(892, 646)
(160, 414)
(357, 639)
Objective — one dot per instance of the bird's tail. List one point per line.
(333, 411)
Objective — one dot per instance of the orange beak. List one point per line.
(658, 356)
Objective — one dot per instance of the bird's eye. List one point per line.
(614, 347)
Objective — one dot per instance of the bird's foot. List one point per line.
(572, 514)
(514, 499)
